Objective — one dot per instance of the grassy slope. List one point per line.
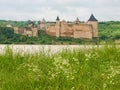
(95, 69)
(107, 31)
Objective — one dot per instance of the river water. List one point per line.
(45, 48)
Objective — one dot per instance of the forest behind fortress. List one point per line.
(108, 31)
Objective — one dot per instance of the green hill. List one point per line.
(107, 31)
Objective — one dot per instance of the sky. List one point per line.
(69, 10)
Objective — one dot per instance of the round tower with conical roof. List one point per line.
(94, 22)
(57, 27)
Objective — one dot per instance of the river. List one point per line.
(45, 48)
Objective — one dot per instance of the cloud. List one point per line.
(67, 9)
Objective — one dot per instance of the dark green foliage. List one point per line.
(3, 23)
(109, 30)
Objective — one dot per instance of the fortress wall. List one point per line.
(66, 30)
(43, 26)
(20, 30)
(95, 28)
(16, 30)
(63, 27)
(72, 30)
(83, 31)
(35, 32)
(51, 31)
(29, 33)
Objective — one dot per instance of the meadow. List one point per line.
(78, 69)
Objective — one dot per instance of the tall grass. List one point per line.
(91, 69)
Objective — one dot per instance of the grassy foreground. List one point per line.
(93, 69)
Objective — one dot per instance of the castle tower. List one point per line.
(57, 27)
(77, 21)
(35, 31)
(43, 24)
(94, 22)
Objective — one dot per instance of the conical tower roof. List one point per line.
(57, 19)
(77, 20)
(43, 21)
(92, 18)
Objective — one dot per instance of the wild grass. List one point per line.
(89, 69)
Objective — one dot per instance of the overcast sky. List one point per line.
(103, 10)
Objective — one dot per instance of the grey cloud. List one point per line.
(66, 9)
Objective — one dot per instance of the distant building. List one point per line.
(43, 25)
(31, 30)
(75, 29)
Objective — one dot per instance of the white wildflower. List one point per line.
(62, 66)
(104, 86)
(76, 60)
(73, 88)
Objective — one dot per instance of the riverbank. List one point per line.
(46, 48)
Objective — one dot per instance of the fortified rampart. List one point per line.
(75, 29)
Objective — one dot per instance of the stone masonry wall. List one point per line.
(81, 30)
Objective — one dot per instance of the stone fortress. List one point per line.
(76, 29)
(31, 30)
